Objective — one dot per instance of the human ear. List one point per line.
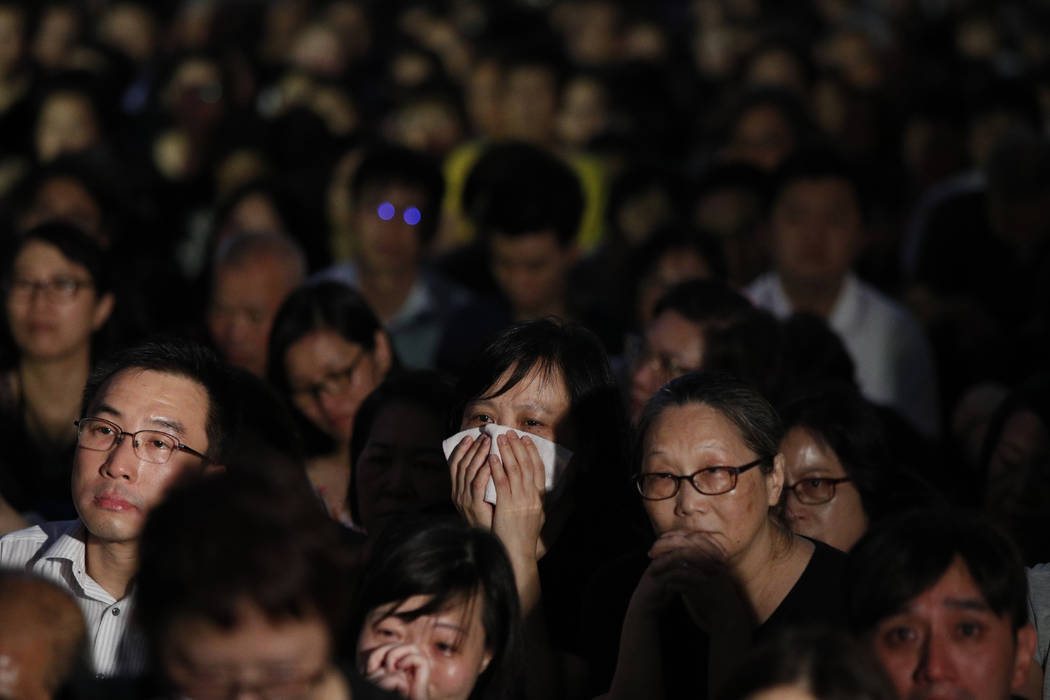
(775, 480)
(1023, 651)
(486, 658)
(103, 308)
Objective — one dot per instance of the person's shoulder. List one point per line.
(18, 547)
(1039, 581)
(824, 555)
(763, 290)
(344, 272)
(881, 306)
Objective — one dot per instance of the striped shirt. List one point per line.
(55, 551)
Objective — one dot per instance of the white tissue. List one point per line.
(555, 457)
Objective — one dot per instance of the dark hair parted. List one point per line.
(452, 563)
(423, 388)
(737, 401)
(395, 165)
(828, 663)
(907, 554)
(182, 358)
(517, 189)
(248, 536)
(313, 307)
(319, 306)
(75, 245)
(595, 406)
(850, 426)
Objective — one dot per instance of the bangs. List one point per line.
(547, 370)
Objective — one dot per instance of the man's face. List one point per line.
(947, 643)
(388, 220)
(286, 657)
(114, 490)
(673, 346)
(531, 270)
(244, 303)
(816, 230)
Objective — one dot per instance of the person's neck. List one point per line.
(814, 296)
(54, 378)
(51, 391)
(386, 290)
(112, 565)
(762, 569)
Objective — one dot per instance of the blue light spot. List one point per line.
(386, 211)
(412, 216)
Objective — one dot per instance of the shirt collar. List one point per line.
(68, 546)
(846, 310)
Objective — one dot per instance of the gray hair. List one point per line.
(740, 403)
(248, 246)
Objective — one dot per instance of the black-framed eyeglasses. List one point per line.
(153, 446)
(57, 290)
(335, 382)
(710, 481)
(815, 491)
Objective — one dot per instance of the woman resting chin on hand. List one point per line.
(723, 568)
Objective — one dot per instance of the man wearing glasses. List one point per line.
(151, 418)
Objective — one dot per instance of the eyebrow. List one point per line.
(171, 424)
(966, 604)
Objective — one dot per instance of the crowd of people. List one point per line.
(448, 349)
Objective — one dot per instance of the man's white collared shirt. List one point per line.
(55, 551)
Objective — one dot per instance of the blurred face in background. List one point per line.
(287, 657)
(66, 124)
(52, 305)
(330, 376)
(388, 220)
(245, 300)
(816, 230)
(530, 104)
(532, 271)
(809, 464)
(402, 468)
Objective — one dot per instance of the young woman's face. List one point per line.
(395, 649)
(841, 521)
(538, 404)
(330, 376)
(685, 439)
(52, 306)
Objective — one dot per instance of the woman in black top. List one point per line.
(724, 569)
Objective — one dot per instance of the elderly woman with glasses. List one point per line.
(724, 570)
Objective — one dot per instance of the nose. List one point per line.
(688, 499)
(936, 663)
(331, 405)
(122, 462)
